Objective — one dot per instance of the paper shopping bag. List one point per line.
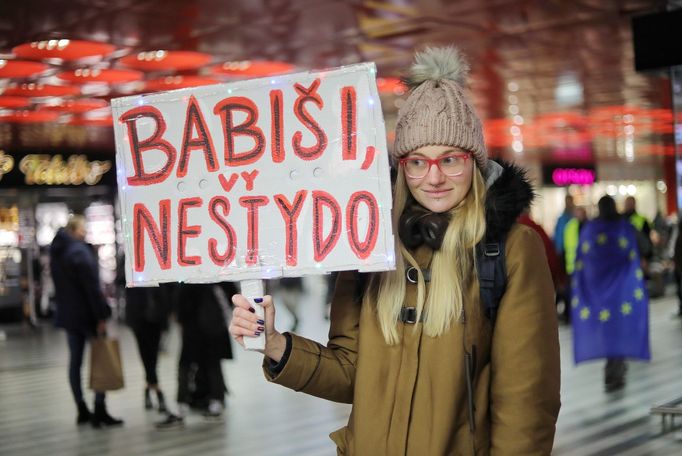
(106, 370)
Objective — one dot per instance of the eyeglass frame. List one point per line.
(434, 161)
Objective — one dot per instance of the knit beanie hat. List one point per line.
(436, 112)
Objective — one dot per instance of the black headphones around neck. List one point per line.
(419, 225)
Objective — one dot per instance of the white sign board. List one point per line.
(255, 179)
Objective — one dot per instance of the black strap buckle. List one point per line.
(492, 249)
(408, 315)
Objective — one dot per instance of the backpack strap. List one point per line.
(492, 275)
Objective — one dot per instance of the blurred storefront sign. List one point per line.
(22, 169)
(563, 176)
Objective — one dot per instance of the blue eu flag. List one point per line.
(610, 306)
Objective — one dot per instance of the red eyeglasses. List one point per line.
(418, 167)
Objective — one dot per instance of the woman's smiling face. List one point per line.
(438, 191)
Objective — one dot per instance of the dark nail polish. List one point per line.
(252, 310)
(258, 300)
(261, 329)
(257, 333)
(260, 322)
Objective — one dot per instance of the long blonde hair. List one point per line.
(451, 267)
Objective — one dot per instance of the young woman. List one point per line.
(427, 371)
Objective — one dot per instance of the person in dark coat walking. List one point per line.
(81, 309)
(202, 311)
(147, 312)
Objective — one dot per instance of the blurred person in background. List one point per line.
(643, 228)
(610, 302)
(677, 267)
(571, 239)
(288, 290)
(202, 311)
(561, 222)
(563, 292)
(81, 309)
(330, 287)
(660, 235)
(637, 220)
(555, 266)
(572, 235)
(147, 311)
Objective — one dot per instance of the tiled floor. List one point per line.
(37, 414)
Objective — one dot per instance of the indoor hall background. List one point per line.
(554, 80)
(550, 62)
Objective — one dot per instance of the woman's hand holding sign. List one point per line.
(245, 323)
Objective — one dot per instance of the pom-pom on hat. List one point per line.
(437, 112)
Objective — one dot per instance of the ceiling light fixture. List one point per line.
(64, 49)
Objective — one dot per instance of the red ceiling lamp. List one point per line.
(108, 76)
(30, 117)
(567, 119)
(391, 86)
(75, 106)
(252, 68)
(497, 132)
(656, 149)
(14, 102)
(178, 82)
(660, 128)
(660, 115)
(39, 90)
(92, 122)
(69, 50)
(20, 68)
(166, 60)
(610, 113)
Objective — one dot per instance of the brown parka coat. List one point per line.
(411, 398)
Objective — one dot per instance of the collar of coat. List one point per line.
(508, 194)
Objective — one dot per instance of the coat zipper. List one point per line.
(470, 373)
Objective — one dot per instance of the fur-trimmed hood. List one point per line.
(506, 198)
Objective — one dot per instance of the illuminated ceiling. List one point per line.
(554, 79)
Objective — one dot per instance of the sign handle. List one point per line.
(254, 289)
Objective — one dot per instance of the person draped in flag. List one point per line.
(609, 300)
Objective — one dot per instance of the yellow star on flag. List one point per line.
(585, 247)
(639, 274)
(574, 302)
(633, 255)
(602, 238)
(639, 294)
(584, 313)
(626, 308)
(604, 315)
(623, 242)
(578, 265)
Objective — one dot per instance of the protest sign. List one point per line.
(282, 176)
